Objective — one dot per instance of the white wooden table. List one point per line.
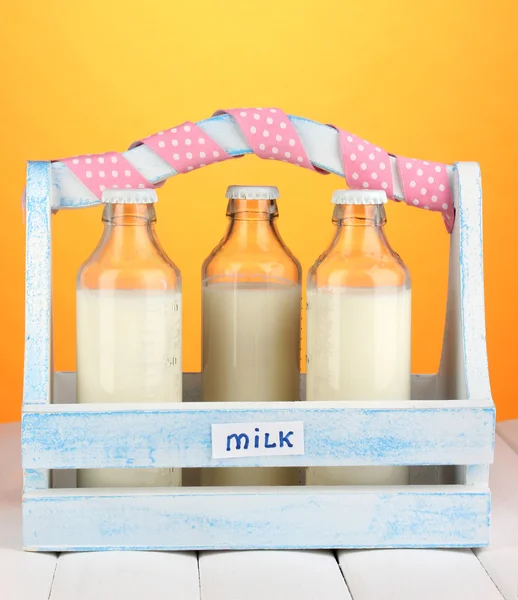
(487, 574)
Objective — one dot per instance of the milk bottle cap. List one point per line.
(137, 196)
(252, 192)
(359, 197)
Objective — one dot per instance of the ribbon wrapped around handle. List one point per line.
(271, 135)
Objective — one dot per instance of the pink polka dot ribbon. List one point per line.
(271, 135)
(185, 147)
(425, 185)
(366, 166)
(110, 170)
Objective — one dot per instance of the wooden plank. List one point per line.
(38, 360)
(463, 371)
(256, 518)
(37, 370)
(272, 575)
(416, 574)
(500, 558)
(179, 434)
(127, 576)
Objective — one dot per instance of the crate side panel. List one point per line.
(37, 361)
(471, 261)
(463, 371)
(260, 518)
(175, 436)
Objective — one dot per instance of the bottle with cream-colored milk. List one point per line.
(251, 286)
(129, 324)
(358, 323)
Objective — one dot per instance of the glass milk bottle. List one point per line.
(358, 323)
(129, 320)
(251, 320)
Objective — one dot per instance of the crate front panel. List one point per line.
(241, 518)
(179, 435)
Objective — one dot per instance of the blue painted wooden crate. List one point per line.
(446, 433)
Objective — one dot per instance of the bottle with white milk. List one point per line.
(251, 286)
(358, 323)
(129, 324)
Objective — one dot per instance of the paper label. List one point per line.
(235, 440)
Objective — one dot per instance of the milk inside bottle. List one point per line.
(358, 323)
(129, 319)
(251, 320)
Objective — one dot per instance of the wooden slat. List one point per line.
(271, 575)
(500, 558)
(179, 434)
(253, 518)
(463, 371)
(38, 275)
(416, 575)
(126, 576)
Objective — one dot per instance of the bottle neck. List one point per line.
(129, 229)
(359, 228)
(252, 220)
(131, 215)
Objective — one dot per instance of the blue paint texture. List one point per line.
(62, 437)
(36, 384)
(176, 436)
(315, 518)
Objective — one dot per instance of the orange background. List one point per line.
(434, 80)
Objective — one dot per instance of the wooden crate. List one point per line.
(445, 433)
